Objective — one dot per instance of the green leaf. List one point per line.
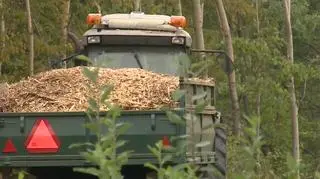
(202, 144)
(92, 127)
(178, 94)
(206, 127)
(190, 117)
(181, 166)
(201, 106)
(91, 171)
(91, 75)
(122, 127)
(121, 143)
(107, 122)
(106, 90)
(108, 151)
(199, 96)
(93, 156)
(77, 145)
(21, 175)
(106, 139)
(151, 166)
(93, 104)
(248, 150)
(174, 118)
(84, 58)
(154, 151)
(114, 111)
(165, 159)
(180, 137)
(291, 163)
(181, 147)
(124, 156)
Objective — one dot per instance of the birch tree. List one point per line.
(258, 99)
(294, 107)
(180, 8)
(31, 39)
(198, 28)
(65, 22)
(137, 5)
(3, 35)
(225, 29)
(198, 24)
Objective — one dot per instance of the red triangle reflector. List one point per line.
(9, 147)
(42, 139)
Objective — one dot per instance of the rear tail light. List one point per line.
(166, 141)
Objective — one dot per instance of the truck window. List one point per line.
(172, 60)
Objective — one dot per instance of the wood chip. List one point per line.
(65, 90)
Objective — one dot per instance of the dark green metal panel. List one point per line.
(11, 128)
(147, 127)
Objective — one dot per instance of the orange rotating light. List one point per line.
(178, 21)
(93, 19)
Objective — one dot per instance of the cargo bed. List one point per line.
(147, 127)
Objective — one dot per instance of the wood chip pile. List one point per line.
(66, 90)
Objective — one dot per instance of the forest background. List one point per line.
(259, 40)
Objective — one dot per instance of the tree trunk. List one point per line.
(294, 107)
(231, 76)
(198, 28)
(97, 6)
(137, 5)
(257, 17)
(198, 23)
(65, 22)
(31, 41)
(180, 8)
(258, 103)
(246, 104)
(3, 35)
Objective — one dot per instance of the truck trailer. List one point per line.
(39, 141)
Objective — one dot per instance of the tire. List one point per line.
(220, 146)
(151, 175)
(5, 173)
(9, 173)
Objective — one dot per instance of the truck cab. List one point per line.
(155, 43)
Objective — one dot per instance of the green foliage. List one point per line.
(252, 158)
(180, 171)
(251, 161)
(104, 153)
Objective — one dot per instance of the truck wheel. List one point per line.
(151, 175)
(220, 151)
(10, 173)
(5, 173)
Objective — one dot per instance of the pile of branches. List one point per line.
(65, 90)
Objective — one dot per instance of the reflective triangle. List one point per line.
(9, 147)
(42, 139)
(165, 141)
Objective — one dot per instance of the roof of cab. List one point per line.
(139, 24)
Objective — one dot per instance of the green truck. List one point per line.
(39, 141)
